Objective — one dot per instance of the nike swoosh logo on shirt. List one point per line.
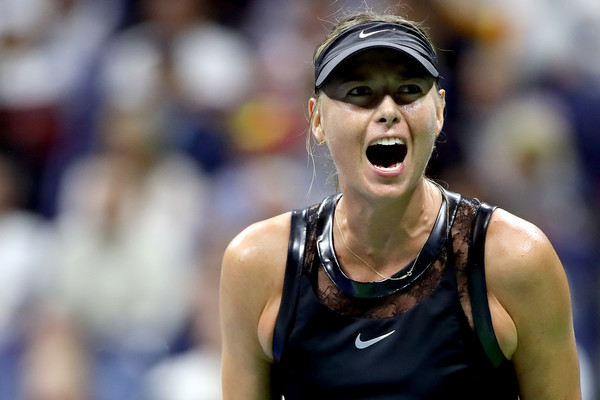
(360, 344)
(363, 35)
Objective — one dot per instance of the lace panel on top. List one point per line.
(409, 297)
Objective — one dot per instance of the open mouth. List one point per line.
(387, 153)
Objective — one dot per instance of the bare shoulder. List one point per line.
(260, 237)
(251, 284)
(519, 255)
(528, 286)
(256, 256)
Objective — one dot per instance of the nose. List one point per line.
(387, 112)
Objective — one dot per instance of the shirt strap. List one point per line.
(482, 318)
(291, 283)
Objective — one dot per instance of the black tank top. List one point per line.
(409, 338)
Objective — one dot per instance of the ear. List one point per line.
(315, 120)
(441, 106)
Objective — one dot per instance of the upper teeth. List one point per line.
(388, 141)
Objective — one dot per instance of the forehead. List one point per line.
(378, 62)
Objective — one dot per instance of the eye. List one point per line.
(360, 91)
(410, 89)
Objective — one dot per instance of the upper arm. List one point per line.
(528, 279)
(251, 279)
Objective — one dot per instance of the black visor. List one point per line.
(372, 35)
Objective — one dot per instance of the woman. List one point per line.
(380, 292)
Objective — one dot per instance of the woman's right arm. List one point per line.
(251, 284)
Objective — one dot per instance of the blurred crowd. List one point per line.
(137, 137)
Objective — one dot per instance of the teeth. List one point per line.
(388, 141)
(397, 165)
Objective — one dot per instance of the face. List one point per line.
(379, 114)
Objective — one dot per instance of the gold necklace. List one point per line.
(385, 278)
(412, 267)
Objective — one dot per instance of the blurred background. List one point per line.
(137, 137)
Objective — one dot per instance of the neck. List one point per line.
(386, 234)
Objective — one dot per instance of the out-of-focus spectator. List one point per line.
(196, 373)
(190, 66)
(29, 96)
(24, 247)
(47, 49)
(264, 186)
(526, 159)
(177, 54)
(55, 365)
(127, 229)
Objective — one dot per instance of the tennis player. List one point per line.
(393, 288)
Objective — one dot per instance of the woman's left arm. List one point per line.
(527, 278)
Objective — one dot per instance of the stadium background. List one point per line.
(137, 137)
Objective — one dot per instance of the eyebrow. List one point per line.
(404, 76)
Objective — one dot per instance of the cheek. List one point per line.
(423, 124)
(337, 121)
(343, 132)
(425, 118)
(432, 127)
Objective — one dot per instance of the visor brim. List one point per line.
(328, 68)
